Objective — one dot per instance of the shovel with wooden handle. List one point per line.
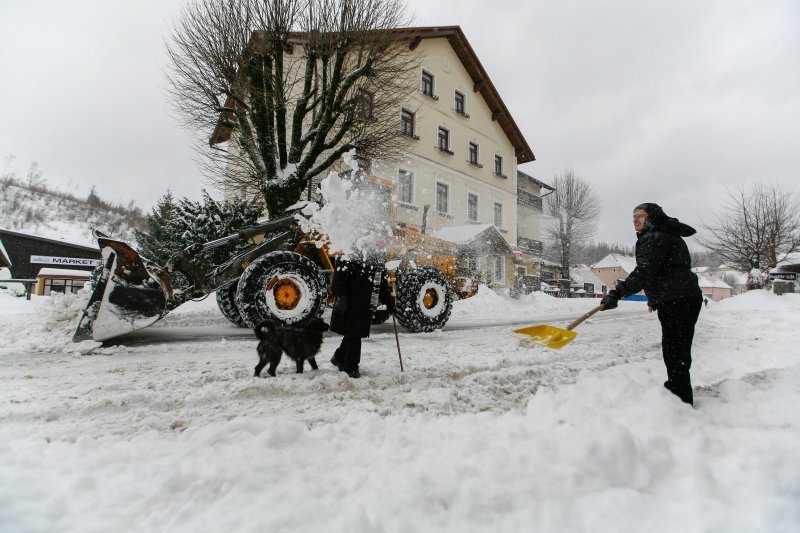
(554, 337)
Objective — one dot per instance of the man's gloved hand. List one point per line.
(340, 305)
(390, 305)
(609, 301)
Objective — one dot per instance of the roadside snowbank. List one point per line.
(481, 433)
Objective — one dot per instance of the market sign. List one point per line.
(68, 261)
(787, 276)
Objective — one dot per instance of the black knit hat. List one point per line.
(654, 212)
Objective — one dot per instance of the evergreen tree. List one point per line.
(160, 238)
(172, 226)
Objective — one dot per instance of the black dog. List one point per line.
(299, 343)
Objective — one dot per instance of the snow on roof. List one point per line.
(626, 262)
(583, 274)
(72, 273)
(710, 282)
(791, 259)
(5, 260)
(58, 236)
(461, 234)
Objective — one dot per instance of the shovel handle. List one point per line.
(585, 316)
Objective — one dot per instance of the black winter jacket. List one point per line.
(352, 286)
(663, 264)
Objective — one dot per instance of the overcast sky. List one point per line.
(660, 101)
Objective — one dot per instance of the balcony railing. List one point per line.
(530, 245)
(530, 200)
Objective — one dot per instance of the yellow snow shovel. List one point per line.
(554, 337)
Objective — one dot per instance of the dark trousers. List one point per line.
(349, 353)
(678, 318)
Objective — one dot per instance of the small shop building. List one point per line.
(55, 265)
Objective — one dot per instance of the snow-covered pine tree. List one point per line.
(160, 239)
(174, 225)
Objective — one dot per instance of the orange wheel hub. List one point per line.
(286, 292)
(430, 299)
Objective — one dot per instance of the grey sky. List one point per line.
(648, 101)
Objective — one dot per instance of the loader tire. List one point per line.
(283, 286)
(226, 301)
(424, 299)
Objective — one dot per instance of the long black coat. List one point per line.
(663, 264)
(353, 280)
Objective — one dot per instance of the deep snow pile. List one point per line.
(481, 433)
(51, 330)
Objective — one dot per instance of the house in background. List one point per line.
(714, 288)
(483, 252)
(549, 271)
(614, 267)
(56, 265)
(530, 192)
(585, 283)
(461, 164)
(785, 276)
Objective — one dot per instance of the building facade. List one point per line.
(460, 166)
(57, 266)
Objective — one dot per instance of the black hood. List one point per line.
(658, 220)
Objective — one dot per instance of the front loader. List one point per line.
(283, 275)
(132, 292)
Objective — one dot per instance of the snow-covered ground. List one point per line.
(482, 432)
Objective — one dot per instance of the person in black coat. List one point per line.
(353, 285)
(663, 271)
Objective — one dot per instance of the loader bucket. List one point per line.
(130, 294)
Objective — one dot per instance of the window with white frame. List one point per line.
(498, 164)
(460, 103)
(472, 207)
(442, 197)
(407, 122)
(443, 139)
(473, 153)
(473, 264)
(427, 84)
(498, 215)
(499, 270)
(405, 187)
(364, 103)
(522, 271)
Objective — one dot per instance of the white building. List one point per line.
(461, 166)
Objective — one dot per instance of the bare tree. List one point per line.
(280, 89)
(758, 225)
(571, 210)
